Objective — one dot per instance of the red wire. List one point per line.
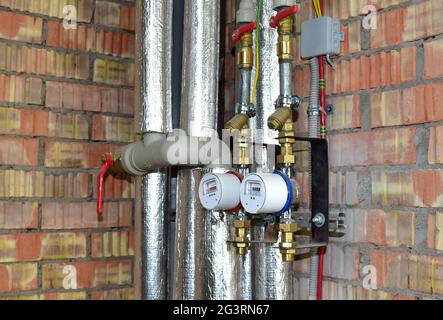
(100, 182)
(321, 253)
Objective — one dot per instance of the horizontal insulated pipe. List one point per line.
(158, 150)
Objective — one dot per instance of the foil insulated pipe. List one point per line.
(154, 26)
(201, 236)
(272, 278)
(268, 86)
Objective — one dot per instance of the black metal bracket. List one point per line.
(320, 188)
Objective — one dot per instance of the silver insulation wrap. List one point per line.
(188, 269)
(268, 88)
(205, 265)
(273, 278)
(155, 236)
(200, 67)
(155, 65)
(154, 58)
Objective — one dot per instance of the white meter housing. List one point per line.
(219, 191)
(265, 193)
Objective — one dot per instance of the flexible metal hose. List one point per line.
(314, 132)
(314, 108)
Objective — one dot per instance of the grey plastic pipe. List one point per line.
(314, 132)
(159, 150)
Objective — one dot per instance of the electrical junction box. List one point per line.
(320, 37)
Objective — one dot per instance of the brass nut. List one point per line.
(286, 25)
(245, 58)
(287, 158)
(288, 257)
(288, 227)
(285, 47)
(242, 224)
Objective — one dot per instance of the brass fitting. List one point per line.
(241, 241)
(278, 119)
(288, 245)
(285, 39)
(245, 56)
(238, 122)
(281, 120)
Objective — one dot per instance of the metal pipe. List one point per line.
(273, 279)
(286, 88)
(154, 26)
(205, 264)
(244, 81)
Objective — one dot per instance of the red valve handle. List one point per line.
(240, 177)
(275, 20)
(100, 181)
(240, 31)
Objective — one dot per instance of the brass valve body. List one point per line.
(285, 39)
(288, 245)
(281, 120)
(238, 122)
(241, 241)
(245, 56)
(278, 119)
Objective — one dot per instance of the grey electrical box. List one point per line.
(320, 37)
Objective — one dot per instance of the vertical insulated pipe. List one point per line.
(154, 57)
(273, 278)
(205, 262)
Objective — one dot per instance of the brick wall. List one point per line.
(386, 144)
(66, 96)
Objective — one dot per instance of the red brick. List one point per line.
(18, 151)
(115, 294)
(51, 63)
(346, 112)
(117, 187)
(75, 155)
(108, 128)
(96, 274)
(372, 148)
(343, 188)
(407, 106)
(417, 188)
(15, 277)
(433, 59)
(390, 28)
(112, 244)
(36, 246)
(20, 27)
(84, 215)
(114, 15)
(39, 184)
(117, 44)
(71, 296)
(436, 145)
(89, 98)
(20, 89)
(18, 215)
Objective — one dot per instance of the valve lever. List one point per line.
(107, 164)
(275, 20)
(240, 31)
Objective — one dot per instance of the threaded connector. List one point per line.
(278, 119)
